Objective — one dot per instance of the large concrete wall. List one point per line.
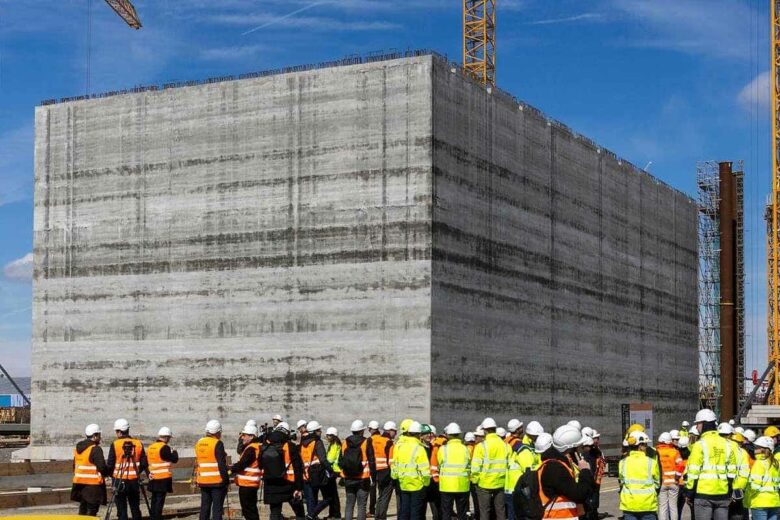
(564, 280)
(234, 250)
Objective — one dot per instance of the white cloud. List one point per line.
(21, 269)
(584, 17)
(756, 93)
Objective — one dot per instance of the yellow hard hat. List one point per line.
(634, 428)
(736, 436)
(405, 425)
(772, 431)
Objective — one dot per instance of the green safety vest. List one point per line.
(519, 461)
(411, 467)
(489, 462)
(711, 465)
(454, 467)
(639, 479)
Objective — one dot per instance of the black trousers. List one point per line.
(412, 505)
(157, 504)
(212, 502)
(372, 499)
(248, 498)
(86, 509)
(459, 500)
(297, 506)
(474, 502)
(334, 507)
(434, 501)
(129, 497)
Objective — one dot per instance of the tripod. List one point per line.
(118, 483)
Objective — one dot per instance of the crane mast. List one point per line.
(479, 40)
(773, 222)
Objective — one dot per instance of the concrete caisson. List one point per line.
(378, 240)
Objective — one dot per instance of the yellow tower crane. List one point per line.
(125, 9)
(479, 40)
(773, 219)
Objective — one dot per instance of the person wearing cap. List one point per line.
(161, 460)
(247, 472)
(127, 461)
(211, 472)
(521, 458)
(670, 459)
(317, 470)
(488, 472)
(357, 480)
(89, 472)
(334, 453)
(639, 480)
(711, 470)
(287, 488)
(453, 459)
(516, 433)
(764, 482)
(411, 468)
(383, 446)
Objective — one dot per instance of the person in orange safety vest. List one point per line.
(89, 472)
(161, 460)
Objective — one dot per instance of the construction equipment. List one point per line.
(11, 380)
(479, 40)
(773, 217)
(125, 9)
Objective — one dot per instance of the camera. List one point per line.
(128, 449)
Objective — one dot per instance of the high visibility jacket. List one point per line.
(639, 480)
(683, 432)
(489, 463)
(380, 442)
(309, 457)
(207, 468)
(557, 508)
(518, 462)
(334, 452)
(711, 465)
(764, 484)
(159, 469)
(454, 467)
(249, 477)
(670, 463)
(363, 458)
(125, 468)
(742, 468)
(411, 467)
(471, 449)
(84, 472)
(289, 476)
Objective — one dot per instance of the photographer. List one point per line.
(127, 461)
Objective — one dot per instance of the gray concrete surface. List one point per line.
(378, 241)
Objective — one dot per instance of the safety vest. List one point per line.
(601, 469)
(639, 477)
(670, 462)
(764, 484)
(518, 462)
(380, 442)
(334, 452)
(513, 441)
(125, 468)
(206, 460)
(84, 472)
(454, 464)
(309, 457)
(411, 467)
(159, 469)
(249, 477)
(742, 468)
(711, 464)
(489, 463)
(363, 458)
(559, 508)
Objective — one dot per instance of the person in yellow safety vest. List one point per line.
(711, 470)
(471, 441)
(516, 433)
(412, 469)
(127, 462)
(737, 508)
(532, 432)
(211, 472)
(639, 480)
(670, 459)
(454, 464)
(684, 429)
(89, 472)
(521, 459)
(334, 453)
(773, 432)
(488, 471)
(762, 494)
(247, 472)
(161, 460)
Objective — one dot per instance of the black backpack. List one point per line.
(526, 497)
(272, 461)
(351, 461)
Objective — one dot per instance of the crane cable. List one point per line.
(89, 46)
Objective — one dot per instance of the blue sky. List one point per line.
(659, 82)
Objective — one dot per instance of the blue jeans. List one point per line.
(510, 507)
(765, 513)
(628, 515)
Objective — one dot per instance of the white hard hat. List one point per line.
(249, 430)
(674, 434)
(213, 426)
(277, 417)
(665, 438)
(588, 431)
(694, 430)
(732, 422)
(575, 423)
(514, 425)
(92, 429)
(469, 437)
(705, 415)
(165, 432)
(415, 427)
(479, 431)
(640, 437)
(251, 422)
(283, 426)
(121, 425)
(313, 426)
(586, 441)
(534, 428)
(357, 426)
(765, 442)
(301, 422)
(390, 425)
(566, 437)
(596, 434)
(488, 423)
(543, 442)
(686, 424)
(452, 429)
(739, 429)
(332, 431)
(433, 428)
(684, 441)
(373, 425)
(501, 432)
(725, 428)
(750, 435)
(625, 443)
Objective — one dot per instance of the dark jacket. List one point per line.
(356, 440)
(558, 482)
(143, 466)
(91, 494)
(279, 491)
(165, 485)
(247, 457)
(319, 451)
